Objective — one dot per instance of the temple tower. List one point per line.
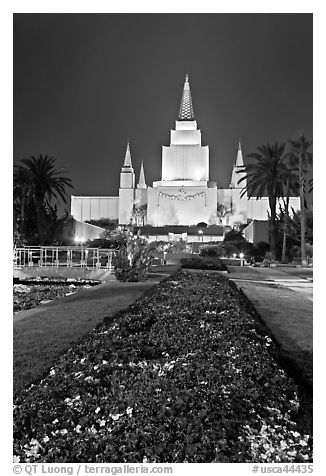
(185, 159)
(126, 190)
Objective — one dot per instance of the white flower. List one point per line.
(52, 372)
(145, 459)
(16, 459)
(55, 421)
(283, 445)
(97, 410)
(82, 360)
(101, 422)
(302, 443)
(116, 416)
(292, 453)
(46, 439)
(77, 429)
(129, 411)
(64, 431)
(104, 362)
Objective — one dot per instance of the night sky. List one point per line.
(85, 83)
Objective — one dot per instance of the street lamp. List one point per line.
(241, 259)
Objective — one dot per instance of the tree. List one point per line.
(44, 183)
(301, 157)
(139, 214)
(266, 175)
(223, 212)
(291, 186)
(21, 196)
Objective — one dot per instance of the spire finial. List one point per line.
(239, 160)
(186, 111)
(142, 181)
(127, 161)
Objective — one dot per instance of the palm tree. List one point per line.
(266, 175)
(21, 196)
(301, 157)
(291, 186)
(45, 183)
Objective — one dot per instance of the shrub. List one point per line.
(208, 251)
(203, 263)
(132, 260)
(260, 250)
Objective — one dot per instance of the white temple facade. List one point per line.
(185, 195)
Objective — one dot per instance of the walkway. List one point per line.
(43, 333)
(283, 299)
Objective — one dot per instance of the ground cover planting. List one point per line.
(186, 374)
(31, 294)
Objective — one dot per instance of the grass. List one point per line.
(50, 329)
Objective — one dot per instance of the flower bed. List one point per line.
(184, 375)
(27, 296)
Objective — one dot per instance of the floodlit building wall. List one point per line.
(185, 162)
(259, 209)
(85, 231)
(94, 208)
(256, 231)
(198, 204)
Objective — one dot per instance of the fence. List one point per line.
(63, 256)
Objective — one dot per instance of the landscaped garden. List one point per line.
(186, 374)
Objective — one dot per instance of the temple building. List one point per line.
(185, 195)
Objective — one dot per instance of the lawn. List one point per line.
(186, 374)
(45, 332)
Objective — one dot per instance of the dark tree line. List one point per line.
(38, 187)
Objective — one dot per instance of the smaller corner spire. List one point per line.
(127, 161)
(239, 160)
(142, 181)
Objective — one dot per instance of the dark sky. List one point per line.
(84, 83)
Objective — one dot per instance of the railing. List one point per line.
(63, 256)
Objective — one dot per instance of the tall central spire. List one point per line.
(186, 111)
